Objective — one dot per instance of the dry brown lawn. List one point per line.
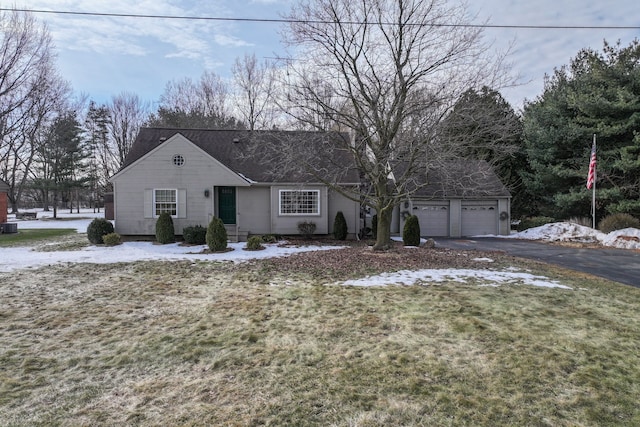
(280, 342)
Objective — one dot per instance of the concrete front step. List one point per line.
(234, 235)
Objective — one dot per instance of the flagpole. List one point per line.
(593, 199)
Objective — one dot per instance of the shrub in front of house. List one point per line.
(411, 231)
(98, 228)
(306, 229)
(269, 238)
(165, 233)
(111, 239)
(618, 221)
(340, 230)
(195, 235)
(216, 235)
(254, 243)
(534, 221)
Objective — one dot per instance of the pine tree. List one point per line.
(597, 94)
(216, 235)
(411, 231)
(165, 232)
(340, 230)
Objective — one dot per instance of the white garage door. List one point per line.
(479, 218)
(433, 219)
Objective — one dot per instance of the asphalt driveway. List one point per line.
(619, 265)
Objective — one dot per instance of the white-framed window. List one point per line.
(165, 200)
(299, 202)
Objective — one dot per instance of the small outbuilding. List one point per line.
(5, 227)
(459, 199)
(4, 201)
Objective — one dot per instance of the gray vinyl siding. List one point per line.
(288, 224)
(254, 210)
(257, 204)
(350, 210)
(462, 217)
(133, 187)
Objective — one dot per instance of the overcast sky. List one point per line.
(104, 56)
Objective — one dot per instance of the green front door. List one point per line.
(227, 204)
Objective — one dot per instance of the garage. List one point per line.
(458, 198)
(433, 218)
(479, 217)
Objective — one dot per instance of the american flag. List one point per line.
(591, 178)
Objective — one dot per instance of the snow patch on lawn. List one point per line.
(22, 257)
(478, 277)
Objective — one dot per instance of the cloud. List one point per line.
(156, 48)
(182, 38)
(224, 40)
(271, 2)
(537, 52)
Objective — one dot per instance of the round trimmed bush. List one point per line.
(411, 231)
(306, 229)
(195, 235)
(111, 239)
(216, 235)
(98, 228)
(618, 221)
(269, 238)
(340, 227)
(165, 233)
(254, 243)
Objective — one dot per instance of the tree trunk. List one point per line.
(383, 237)
(55, 205)
(45, 200)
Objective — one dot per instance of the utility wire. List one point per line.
(289, 21)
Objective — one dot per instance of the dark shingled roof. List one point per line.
(4, 186)
(462, 179)
(233, 149)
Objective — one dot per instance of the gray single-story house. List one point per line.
(458, 199)
(196, 174)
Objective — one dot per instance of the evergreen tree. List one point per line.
(96, 124)
(216, 236)
(340, 230)
(599, 93)
(411, 231)
(165, 232)
(484, 126)
(63, 160)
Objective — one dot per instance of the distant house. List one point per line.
(4, 201)
(196, 174)
(459, 198)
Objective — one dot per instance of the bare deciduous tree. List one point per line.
(186, 103)
(388, 71)
(256, 84)
(30, 92)
(127, 114)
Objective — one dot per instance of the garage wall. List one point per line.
(458, 218)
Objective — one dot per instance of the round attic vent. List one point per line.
(178, 160)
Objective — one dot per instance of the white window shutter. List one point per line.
(148, 203)
(182, 203)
